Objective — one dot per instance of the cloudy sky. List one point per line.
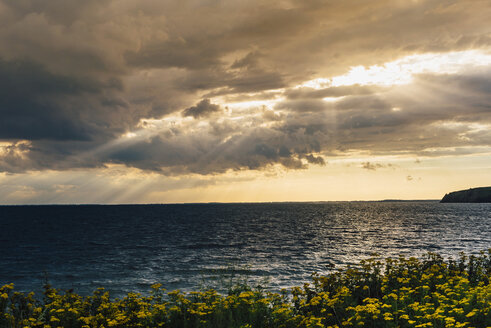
(151, 101)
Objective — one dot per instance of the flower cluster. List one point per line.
(428, 292)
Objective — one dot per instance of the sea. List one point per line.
(127, 248)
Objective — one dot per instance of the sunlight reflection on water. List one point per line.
(128, 248)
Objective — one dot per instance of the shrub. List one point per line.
(427, 292)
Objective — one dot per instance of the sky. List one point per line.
(150, 101)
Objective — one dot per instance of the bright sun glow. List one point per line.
(401, 71)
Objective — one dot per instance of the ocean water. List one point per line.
(129, 247)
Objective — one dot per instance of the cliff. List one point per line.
(474, 195)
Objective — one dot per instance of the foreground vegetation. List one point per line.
(427, 292)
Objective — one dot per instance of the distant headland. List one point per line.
(473, 195)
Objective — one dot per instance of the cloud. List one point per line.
(370, 166)
(29, 103)
(202, 109)
(375, 166)
(204, 153)
(340, 91)
(315, 160)
(303, 105)
(441, 115)
(77, 77)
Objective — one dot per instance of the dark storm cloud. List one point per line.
(432, 112)
(202, 109)
(225, 145)
(366, 123)
(29, 104)
(205, 153)
(76, 75)
(315, 159)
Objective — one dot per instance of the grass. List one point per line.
(426, 292)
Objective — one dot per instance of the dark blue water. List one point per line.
(128, 248)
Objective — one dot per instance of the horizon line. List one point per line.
(238, 202)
